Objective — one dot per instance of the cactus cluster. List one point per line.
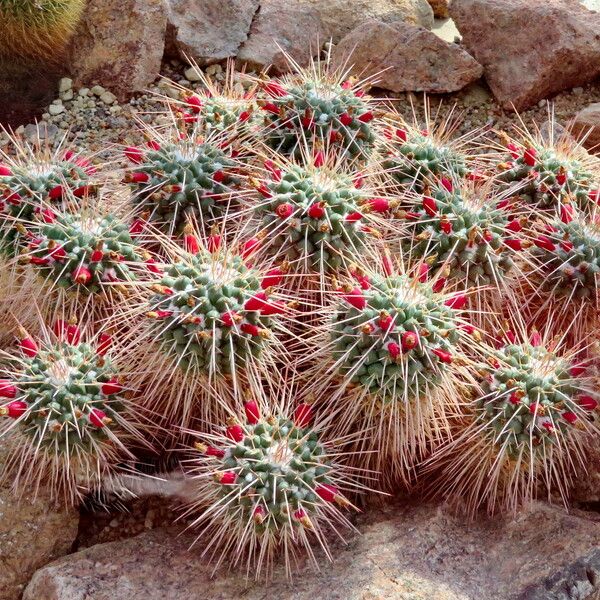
(181, 179)
(287, 253)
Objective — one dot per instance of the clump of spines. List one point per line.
(315, 106)
(35, 183)
(416, 158)
(181, 178)
(317, 215)
(84, 251)
(547, 175)
(466, 235)
(523, 431)
(267, 486)
(65, 411)
(37, 29)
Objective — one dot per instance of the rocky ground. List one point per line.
(405, 551)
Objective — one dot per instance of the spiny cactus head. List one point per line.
(211, 312)
(37, 180)
(546, 174)
(318, 104)
(566, 257)
(465, 235)
(416, 158)
(182, 177)
(34, 30)
(394, 336)
(273, 484)
(87, 252)
(64, 408)
(530, 400)
(318, 215)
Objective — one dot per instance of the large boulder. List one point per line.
(530, 49)
(340, 17)
(440, 8)
(208, 31)
(119, 44)
(586, 124)
(280, 28)
(33, 532)
(407, 58)
(404, 552)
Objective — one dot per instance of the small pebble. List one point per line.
(108, 98)
(56, 109)
(193, 74)
(65, 84)
(97, 90)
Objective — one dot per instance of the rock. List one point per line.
(340, 17)
(209, 30)
(119, 43)
(587, 123)
(193, 74)
(56, 109)
(440, 8)
(404, 553)
(530, 50)
(408, 58)
(282, 26)
(65, 84)
(32, 534)
(108, 98)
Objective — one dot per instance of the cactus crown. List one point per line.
(313, 215)
(210, 312)
(395, 337)
(546, 175)
(416, 158)
(84, 251)
(568, 259)
(464, 234)
(65, 395)
(186, 178)
(318, 106)
(528, 399)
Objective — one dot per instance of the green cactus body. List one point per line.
(567, 260)
(313, 216)
(416, 159)
(395, 339)
(317, 110)
(282, 464)
(30, 188)
(219, 113)
(181, 182)
(84, 252)
(37, 29)
(545, 178)
(203, 313)
(463, 237)
(528, 399)
(69, 397)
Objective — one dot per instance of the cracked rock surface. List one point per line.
(404, 553)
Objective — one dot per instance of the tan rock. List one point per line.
(440, 8)
(32, 534)
(282, 27)
(530, 50)
(340, 17)
(209, 30)
(119, 44)
(586, 124)
(404, 553)
(407, 58)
